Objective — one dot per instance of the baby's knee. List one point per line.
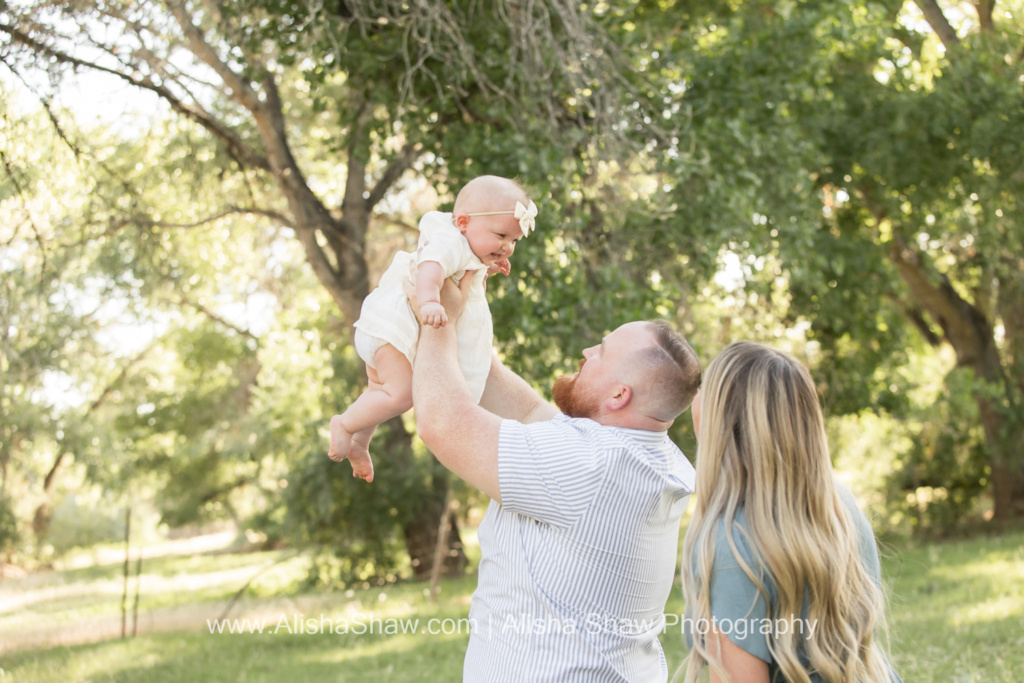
(401, 396)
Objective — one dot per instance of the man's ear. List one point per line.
(461, 222)
(621, 399)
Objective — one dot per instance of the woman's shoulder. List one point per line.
(856, 513)
(738, 531)
(865, 534)
(850, 501)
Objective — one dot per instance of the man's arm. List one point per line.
(462, 435)
(508, 395)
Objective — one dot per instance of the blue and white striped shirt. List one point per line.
(578, 560)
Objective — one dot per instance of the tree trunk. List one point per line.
(1008, 471)
(420, 530)
(347, 280)
(972, 336)
(44, 511)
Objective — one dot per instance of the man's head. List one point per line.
(642, 375)
(485, 213)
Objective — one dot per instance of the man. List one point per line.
(579, 542)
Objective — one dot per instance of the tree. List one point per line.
(875, 149)
(56, 373)
(315, 117)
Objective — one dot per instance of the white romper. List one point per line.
(387, 318)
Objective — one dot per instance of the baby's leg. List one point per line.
(388, 394)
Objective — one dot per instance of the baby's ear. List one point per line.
(461, 221)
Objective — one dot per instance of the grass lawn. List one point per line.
(956, 610)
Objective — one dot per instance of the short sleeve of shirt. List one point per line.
(442, 243)
(550, 471)
(738, 607)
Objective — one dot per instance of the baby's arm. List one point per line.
(429, 278)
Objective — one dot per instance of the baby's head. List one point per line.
(493, 213)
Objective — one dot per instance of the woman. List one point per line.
(781, 574)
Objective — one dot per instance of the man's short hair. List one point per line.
(671, 372)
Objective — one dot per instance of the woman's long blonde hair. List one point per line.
(762, 447)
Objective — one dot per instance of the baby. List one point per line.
(491, 214)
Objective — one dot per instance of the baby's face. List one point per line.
(492, 238)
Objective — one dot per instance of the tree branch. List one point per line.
(410, 228)
(281, 218)
(116, 226)
(211, 496)
(93, 407)
(325, 273)
(392, 173)
(985, 10)
(353, 204)
(265, 567)
(195, 113)
(45, 102)
(308, 211)
(937, 20)
(963, 325)
(916, 317)
(26, 204)
(242, 91)
(185, 301)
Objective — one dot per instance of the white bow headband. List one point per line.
(525, 214)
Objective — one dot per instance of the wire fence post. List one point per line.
(441, 547)
(138, 589)
(127, 557)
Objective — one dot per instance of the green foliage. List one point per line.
(941, 477)
(79, 523)
(742, 170)
(358, 526)
(10, 533)
(844, 148)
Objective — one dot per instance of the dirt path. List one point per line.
(195, 618)
(47, 608)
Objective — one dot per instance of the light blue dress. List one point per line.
(740, 610)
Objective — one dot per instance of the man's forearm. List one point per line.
(437, 383)
(462, 435)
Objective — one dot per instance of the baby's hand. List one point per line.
(503, 267)
(432, 313)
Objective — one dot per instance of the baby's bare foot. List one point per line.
(362, 465)
(341, 440)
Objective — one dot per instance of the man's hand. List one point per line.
(454, 297)
(432, 314)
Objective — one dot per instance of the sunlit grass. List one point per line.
(955, 614)
(956, 609)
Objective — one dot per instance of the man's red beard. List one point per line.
(569, 397)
